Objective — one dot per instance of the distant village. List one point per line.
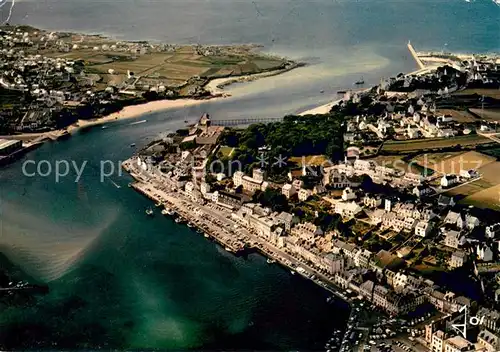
(391, 236)
(49, 80)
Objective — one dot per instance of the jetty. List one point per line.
(413, 53)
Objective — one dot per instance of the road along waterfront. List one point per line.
(219, 225)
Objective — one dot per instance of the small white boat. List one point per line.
(132, 145)
(206, 235)
(168, 211)
(271, 261)
(149, 212)
(292, 272)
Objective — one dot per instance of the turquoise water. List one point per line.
(120, 280)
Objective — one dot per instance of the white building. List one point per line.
(458, 259)
(347, 209)
(288, 190)
(250, 184)
(423, 228)
(454, 239)
(204, 188)
(306, 231)
(449, 181)
(348, 194)
(457, 344)
(484, 253)
(489, 341)
(304, 194)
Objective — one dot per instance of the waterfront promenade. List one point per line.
(217, 223)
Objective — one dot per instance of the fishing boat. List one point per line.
(132, 145)
(180, 220)
(341, 92)
(104, 127)
(292, 272)
(190, 225)
(168, 211)
(158, 204)
(321, 91)
(149, 212)
(206, 235)
(271, 261)
(199, 231)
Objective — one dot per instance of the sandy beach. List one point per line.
(322, 109)
(216, 86)
(133, 111)
(128, 112)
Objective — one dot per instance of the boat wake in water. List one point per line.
(138, 122)
(45, 250)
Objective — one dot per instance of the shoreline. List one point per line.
(216, 86)
(134, 111)
(322, 109)
(234, 242)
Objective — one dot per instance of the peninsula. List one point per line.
(52, 83)
(389, 200)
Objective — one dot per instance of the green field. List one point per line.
(172, 68)
(434, 143)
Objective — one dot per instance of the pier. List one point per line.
(245, 122)
(413, 53)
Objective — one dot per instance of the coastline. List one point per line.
(134, 111)
(322, 109)
(216, 85)
(234, 239)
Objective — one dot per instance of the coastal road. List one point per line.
(225, 227)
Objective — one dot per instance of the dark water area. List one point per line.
(119, 279)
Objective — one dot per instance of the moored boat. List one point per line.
(149, 212)
(360, 82)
